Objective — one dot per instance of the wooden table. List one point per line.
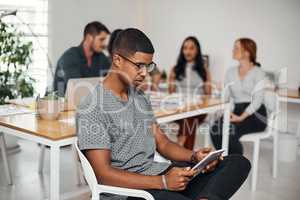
(59, 133)
(54, 134)
(289, 95)
(207, 105)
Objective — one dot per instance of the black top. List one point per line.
(73, 64)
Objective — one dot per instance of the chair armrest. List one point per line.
(124, 191)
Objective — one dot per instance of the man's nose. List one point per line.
(143, 72)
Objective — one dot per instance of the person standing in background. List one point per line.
(244, 85)
(190, 76)
(85, 60)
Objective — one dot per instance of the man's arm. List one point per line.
(108, 175)
(169, 149)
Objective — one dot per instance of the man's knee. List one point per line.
(238, 162)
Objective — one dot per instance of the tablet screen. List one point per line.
(209, 158)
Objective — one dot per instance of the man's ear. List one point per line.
(88, 37)
(117, 60)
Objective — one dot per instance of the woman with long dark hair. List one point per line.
(244, 84)
(190, 76)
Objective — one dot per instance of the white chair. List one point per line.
(272, 104)
(5, 159)
(205, 127)
(204, 130)
(97, 189)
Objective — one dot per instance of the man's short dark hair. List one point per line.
(112, 38)
(130, 41)
(94, 28)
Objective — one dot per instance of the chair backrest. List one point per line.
(87, 168)
(78, 88)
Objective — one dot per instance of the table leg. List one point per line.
(226, 127)
(41, 158)
(54, 172)
(77, 165)
(5, 160)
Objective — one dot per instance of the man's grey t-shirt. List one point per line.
(105, 121)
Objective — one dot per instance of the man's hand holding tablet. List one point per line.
(178, 178)
(201, 154)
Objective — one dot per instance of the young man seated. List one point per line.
(119, 135)
(85, 60)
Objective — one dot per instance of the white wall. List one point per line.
(67, 19)
(273, 24)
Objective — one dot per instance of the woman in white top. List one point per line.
(243, 85)
(190, 76)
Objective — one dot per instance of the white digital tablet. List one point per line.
(214, 155)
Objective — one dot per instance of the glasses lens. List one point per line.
(151, 67)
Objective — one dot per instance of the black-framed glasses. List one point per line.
(149, 67)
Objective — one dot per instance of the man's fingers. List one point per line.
(187, 168)
(194, 172)
(212, 164)
(210, 167)
(207, 149)
(187, 173)
(181, 188)
(221, 158)
(184, 179)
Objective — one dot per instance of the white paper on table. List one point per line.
(6, 110)
(70, 121)
(28, 101)
(173, 101)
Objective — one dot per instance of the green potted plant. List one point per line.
(15, 57)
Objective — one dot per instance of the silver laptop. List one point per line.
(78, 88)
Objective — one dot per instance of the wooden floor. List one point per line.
(28, 184)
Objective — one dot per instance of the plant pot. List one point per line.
(49, 109)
